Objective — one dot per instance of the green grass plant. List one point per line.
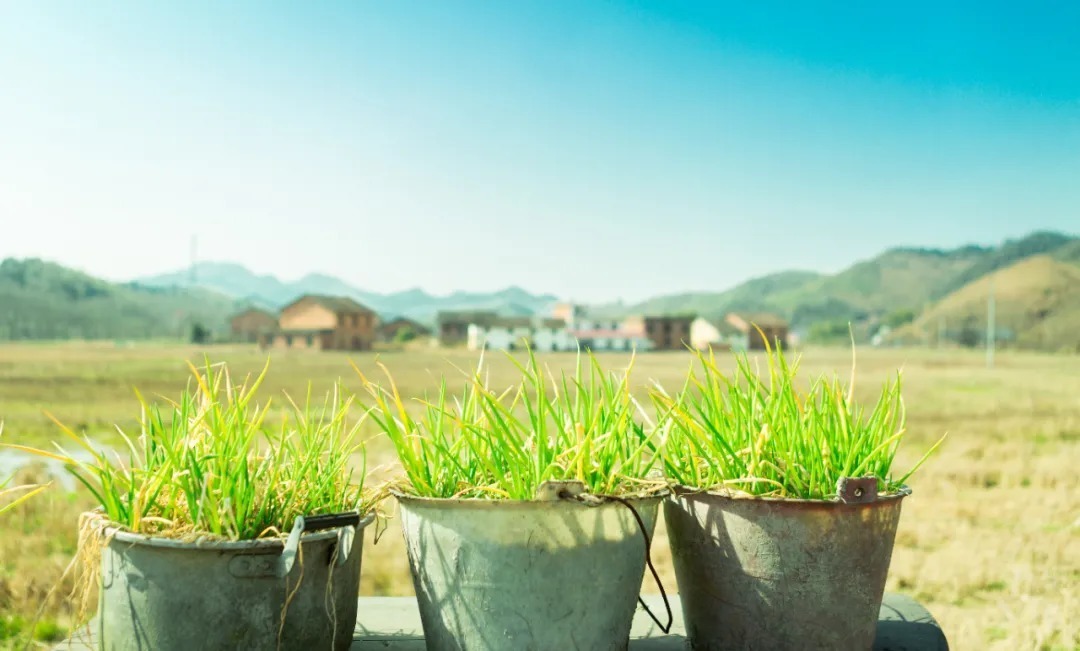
(487, 443)
(209, 464)
(760, 434)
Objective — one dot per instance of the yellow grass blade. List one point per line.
(72, 435)
(22, 498)
(40, 453)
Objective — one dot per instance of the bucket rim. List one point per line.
(679, 490)
(115, 532)
(503, 503)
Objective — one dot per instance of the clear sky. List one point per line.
(593, 149)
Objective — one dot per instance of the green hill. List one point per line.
(754, 294)
(898, 282)
(1069, 252)
(42, 300)
(1036, 304)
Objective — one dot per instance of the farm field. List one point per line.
(989, 540)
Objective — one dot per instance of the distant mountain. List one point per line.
(43, 300)
(270, 292)
(241, 283)
(900, 279)
(913, 290)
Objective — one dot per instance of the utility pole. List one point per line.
(991, 334)
(194, 258)
(185, 320)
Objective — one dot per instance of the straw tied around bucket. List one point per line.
(574, 491)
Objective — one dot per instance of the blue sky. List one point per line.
(596, 150)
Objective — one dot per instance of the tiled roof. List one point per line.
(510, 322)
(336, 304)
(479, 317)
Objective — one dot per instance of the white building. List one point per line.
(717, 334)
(600, 334)
(515, 333)
(596, 324)
(609, 338)
(553, 335)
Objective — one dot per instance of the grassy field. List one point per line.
(989, 539)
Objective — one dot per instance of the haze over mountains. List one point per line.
(1038, 275)
(271, 293)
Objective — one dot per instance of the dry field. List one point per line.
(989, 539)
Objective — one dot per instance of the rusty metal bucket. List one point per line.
(526, 574)
(160, 594)
(760, 573)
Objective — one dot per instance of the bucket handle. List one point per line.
(347, 522)
(575, 491)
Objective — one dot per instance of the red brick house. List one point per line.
(326, 323)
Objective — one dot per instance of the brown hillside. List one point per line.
(1037, 304)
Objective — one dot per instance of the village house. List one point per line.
(568, 312)
(453, 326)
(513, 333)
(760, 328)
(398, 328)
(326, 323)
(615, 339)
(665, 332)
(253, 325)
(549, 335)
(717, 334)
(596, 324)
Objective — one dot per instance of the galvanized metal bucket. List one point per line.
(513, 574)
(759, 573)
(164, 595)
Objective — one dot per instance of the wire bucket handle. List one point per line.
(348, 522)
(576, 491)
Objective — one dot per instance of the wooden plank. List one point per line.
(393, 624)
